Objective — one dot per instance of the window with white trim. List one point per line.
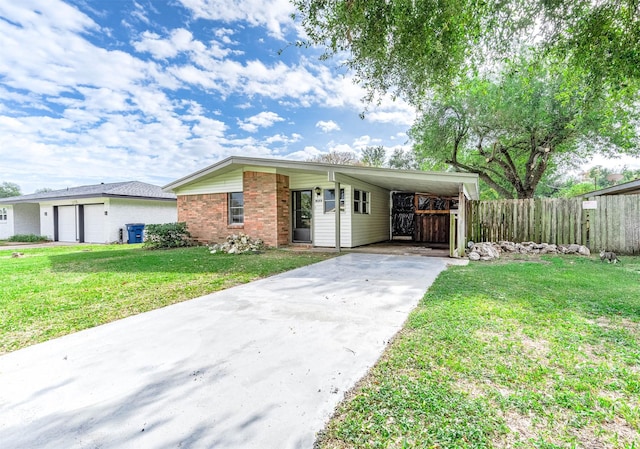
(4, 216)
(330, 200)
(361, 201)
(236, 208)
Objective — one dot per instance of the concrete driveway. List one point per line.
(261, 365)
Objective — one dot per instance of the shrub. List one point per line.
(30, 238)
(238, 243)
(167, 235)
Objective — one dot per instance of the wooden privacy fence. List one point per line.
(613, 225)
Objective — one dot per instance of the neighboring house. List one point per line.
(626, 188)
(92, 214)
(285, 202)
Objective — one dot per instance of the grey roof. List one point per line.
(128, 189)
(627, 188)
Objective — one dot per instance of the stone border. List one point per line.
(491, 250)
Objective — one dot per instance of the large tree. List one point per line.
(425, 51)
(409, 47)
(514, 128)
(8, 189)
(374, 156)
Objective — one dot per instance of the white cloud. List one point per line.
(179, 41)
(281, 138)
(261, 120)
(365, 141)
(163, 110)
(397, 112)
(327, 126)
(341, 147)
(140, 13)
(272, 14)
(307, 153)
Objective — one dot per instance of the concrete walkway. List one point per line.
(20, 246)
(261, 365)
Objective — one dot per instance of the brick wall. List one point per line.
(283, 206)
(206, 216)
(266, 207)
(266, 211)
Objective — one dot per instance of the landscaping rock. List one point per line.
(573, 249)
(484, 251)
(490, 251)
(584, 251)
(474, 256)
(238, 244)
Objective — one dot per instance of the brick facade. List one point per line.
(266, 211)
(266, 207)
(206, 216)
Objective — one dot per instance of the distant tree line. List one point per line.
(372, 156)
(9, 189)
(595, 178)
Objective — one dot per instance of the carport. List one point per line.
(424, 207)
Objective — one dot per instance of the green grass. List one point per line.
(525, 354)
(59, 290)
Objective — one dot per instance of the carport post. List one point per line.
(462, 220)
(337, 212)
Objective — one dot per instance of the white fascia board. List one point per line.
(469, 179)
(233, 161)
(197, 175)
(471, 191)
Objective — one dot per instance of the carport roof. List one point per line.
(437, 183)
(128, 189)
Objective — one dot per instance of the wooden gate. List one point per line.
(422, 216)
(433, 218)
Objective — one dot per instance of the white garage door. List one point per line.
(94, 223)
(67, 223)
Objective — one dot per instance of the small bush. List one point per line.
(167, 235)
(238, 243)
(29, 238)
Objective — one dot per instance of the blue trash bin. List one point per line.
(135, 231)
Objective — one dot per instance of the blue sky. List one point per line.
(110, 90)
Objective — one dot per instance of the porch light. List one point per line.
(318, 191)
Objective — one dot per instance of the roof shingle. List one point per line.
(128, 189)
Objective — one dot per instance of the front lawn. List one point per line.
(527, 354)
(54, 291)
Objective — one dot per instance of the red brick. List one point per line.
(266, 211)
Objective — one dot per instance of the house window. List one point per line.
(236, 208)
(3, 214)
(330, 200)
(361, 202)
